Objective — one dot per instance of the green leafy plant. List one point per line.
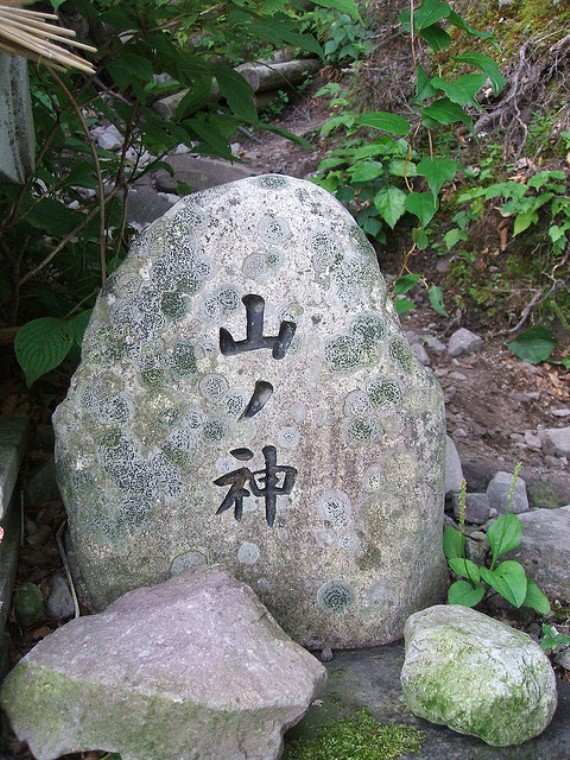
(551, 640)
(507, 578)
(345, 37)
(65, 229)
(382, 170)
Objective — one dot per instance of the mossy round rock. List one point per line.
(246, 398)
(477, 675)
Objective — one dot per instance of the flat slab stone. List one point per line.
(14, 433)
(17, 135)
(370, 678)
(193, 668)
(246, 397)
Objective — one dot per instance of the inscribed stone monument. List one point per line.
(246, 398)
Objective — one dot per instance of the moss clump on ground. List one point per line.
(359, 737)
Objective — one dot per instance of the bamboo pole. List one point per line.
(33, 35)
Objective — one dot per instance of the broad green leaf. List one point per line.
(463, 89)
(238, 93)
(401, 167)
(390, 202)
(331, 163)
(551, 638)
(403, 305)
(524, 221)
(428, 13)
(453, 543)
(504, 535)
(342, 120)
(537, 600)
(424, 87)
(509, 580)
(387, 122)
(462, 592)
(459, 22)
(437, 171)
(343, 6)
(279, 32)
(534, 345)
(421, 205)
(465, 569)
(436, 38)
(196, 97)
(53, 217)
(421, 239)
(405, 283)
(366, 171)
(41, 345)
(78, 325)
(56, 3)
(540, 179)
(435, 295)
(211, 137)
(444, 111)
(453, 236)
(487, 65)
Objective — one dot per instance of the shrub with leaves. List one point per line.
(507, 578)
(65, 229)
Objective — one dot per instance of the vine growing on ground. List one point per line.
(387, 169)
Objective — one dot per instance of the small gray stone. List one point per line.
(532, 441)
(476, 675)
(544, 550)
(110, 138)
(326, 654)
(421, 354)
(557, 441)
(435, 344)
(165, 182)
(498, 491)
(453, 471)
(476, 548)
(563, 659)
(477, 507)
(463, 342)
(560, 412)
(194, 667)
(60, 602)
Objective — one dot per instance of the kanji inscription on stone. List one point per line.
(272, 485)
(255, 339)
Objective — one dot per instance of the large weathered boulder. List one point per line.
(544, 550)
(477, 675)
(194, 667)
(246, 397)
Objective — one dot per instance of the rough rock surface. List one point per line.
(477, 675)
(463, 342)
(194, 667)
(557, 440)
(305, 455)
(498, 492)
(544, 550)
(453, 469)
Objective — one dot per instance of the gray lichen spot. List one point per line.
(356, 404)
(401, 353)
(248, 553)
(184, 359)
(116, 409)
(370, 331)
(274, 229)
(173, 305)
(335, 596)
(133, 512)
(235, 402)
(224, 301)
(348, 541)
(153, 378)
(343, 353)
(288, 437)
(385, 395)
(374, 480)
(273, 182)
(214, 431)
(361, 430)
(327, 252)
(214, 388)
(334, 508)
(187, 561)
